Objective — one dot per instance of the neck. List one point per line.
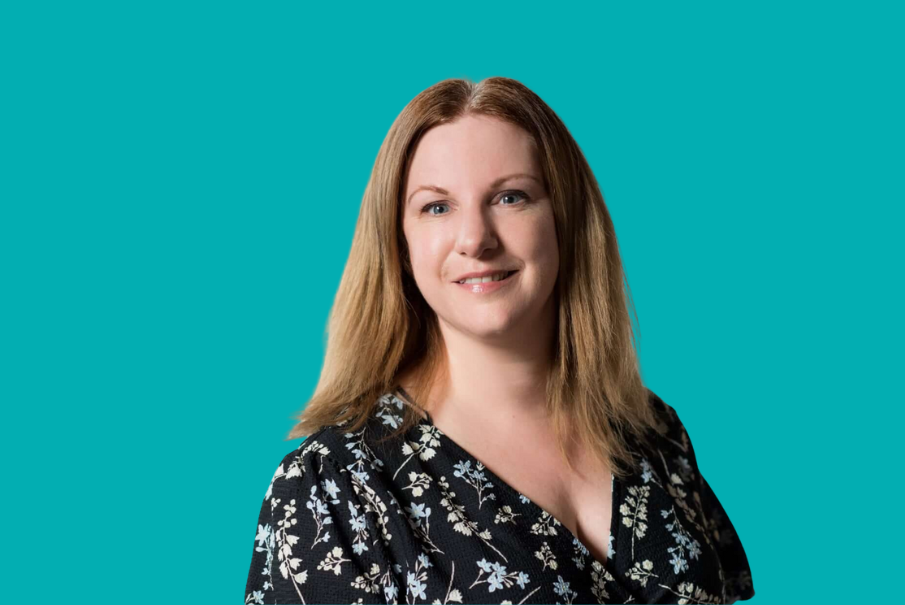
(499, 380)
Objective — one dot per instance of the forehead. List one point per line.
(473, 149)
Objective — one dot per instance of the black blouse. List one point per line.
(420, 520)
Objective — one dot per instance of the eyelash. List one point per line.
(522, 194)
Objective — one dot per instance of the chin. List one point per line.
(488, 333)
(487, 327)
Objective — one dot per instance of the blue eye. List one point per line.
(433, 205)
(514, 193)
(429, 207)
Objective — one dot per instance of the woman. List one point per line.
(480, 431)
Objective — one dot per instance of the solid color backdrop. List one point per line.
(178, 192)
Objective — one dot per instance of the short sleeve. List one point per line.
(314, 541)
(736, 571)
(737, 582)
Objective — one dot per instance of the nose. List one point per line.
(476, 232)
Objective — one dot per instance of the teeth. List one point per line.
(482, 280)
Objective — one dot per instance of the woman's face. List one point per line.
(475, 202)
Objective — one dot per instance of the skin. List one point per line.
(498, 344)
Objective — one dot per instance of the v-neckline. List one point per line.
(616, 489)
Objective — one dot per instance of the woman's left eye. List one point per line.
(513, 194)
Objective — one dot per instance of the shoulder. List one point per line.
(671, 469)
(666, 416)
(325, 443)
(337, 448)
(316, 523)
(306, 462)
(670, 436)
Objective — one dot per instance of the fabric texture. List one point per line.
(420, 520)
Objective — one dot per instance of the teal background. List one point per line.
(180, 185)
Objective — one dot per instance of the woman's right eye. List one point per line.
(427, 209)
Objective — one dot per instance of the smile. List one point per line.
(488, 278)
(478, 285)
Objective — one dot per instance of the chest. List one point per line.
(591, 503)
(581, 500)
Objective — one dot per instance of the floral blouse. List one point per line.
(420, 520)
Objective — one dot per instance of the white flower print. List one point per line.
(370, 581)
(453, 595)
(418, 483)
(674, 488)
(461, 522)
(642, 572)
(634, 511)
(295, 469)
(364, 454)
(372, 503)
(368, 533)
(599, 577)
(546, 525)
(546, 555)
(285, 543)
(333, 561)
(505, 514)
(687, 593)
(423, 447)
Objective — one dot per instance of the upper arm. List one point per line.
(314, 543)
(680, 457)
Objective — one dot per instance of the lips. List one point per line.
(506, 275)
(488, 287)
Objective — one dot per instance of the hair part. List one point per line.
(380, 326)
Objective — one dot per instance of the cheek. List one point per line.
(543, 249)
(552, 247)
(425, 253)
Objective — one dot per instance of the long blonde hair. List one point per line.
(381, 327)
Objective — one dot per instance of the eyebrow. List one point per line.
(494, 184)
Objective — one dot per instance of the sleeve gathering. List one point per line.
(314, 541)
